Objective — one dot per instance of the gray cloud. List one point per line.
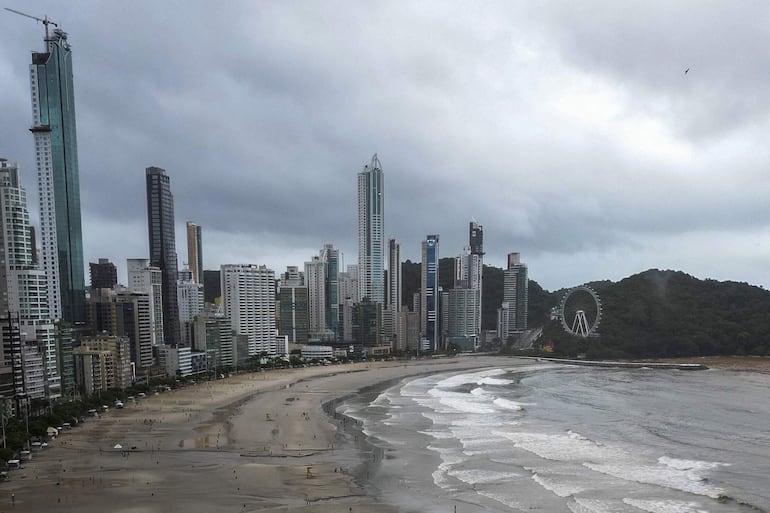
(570, 131)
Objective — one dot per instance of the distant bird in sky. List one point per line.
(685, 71)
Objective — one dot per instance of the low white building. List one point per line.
(316, 352)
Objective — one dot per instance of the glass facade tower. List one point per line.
(371, 246)
(160, 224)
(429, 293)
(53, 127)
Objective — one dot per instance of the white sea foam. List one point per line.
(484, 422)
(449, 458)
(560, 489)
(694, 465)
(463, 403)
(660, 475)
(507, 404)
(472, 446)
(493, 381)
(591, 506)
(462, 379)
(477, 476)
(665, 506)
(439, 435)
(564, 447)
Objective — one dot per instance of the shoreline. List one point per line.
(240, 444)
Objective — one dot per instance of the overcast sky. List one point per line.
(569, 130)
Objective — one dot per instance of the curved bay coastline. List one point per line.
(240, 444)
(251, 442)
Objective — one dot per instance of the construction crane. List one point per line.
(45, 21)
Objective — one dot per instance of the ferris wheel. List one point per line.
(580, 311)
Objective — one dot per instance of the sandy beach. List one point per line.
(252, 442)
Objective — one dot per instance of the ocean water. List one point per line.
(570, 439)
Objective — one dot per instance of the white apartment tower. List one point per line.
(248, 295)
(190, 301)
(371, 269)
(144, 279)
(23, 287)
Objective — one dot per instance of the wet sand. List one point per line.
(252, 442)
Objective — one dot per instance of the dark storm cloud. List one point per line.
(569, 130)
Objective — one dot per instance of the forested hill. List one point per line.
(670, 313)
(651, 314)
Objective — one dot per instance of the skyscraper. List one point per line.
(195, 251)
(315, 271)
(470, 267)
(189, 302)
(22, 286)
(512, 314)
(393, 301)
(331, 259)
(371, 274)
(429, 297)
(53, 127)
(394, 275)
(160, 223)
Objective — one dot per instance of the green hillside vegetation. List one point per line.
(654, 314)
(658, 314)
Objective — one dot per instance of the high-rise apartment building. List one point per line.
(160, 223)
(476, 264)
(294, 313)
(195, 251)
(248, 294)
(371, 245)
(390, 317)
(23, 289)
(394, 275)
(315, 280)
(213, 335)
(469, 267)
(512, 314)
(144, 279)
(190, 302)
(331, 259)
(348, 284)
(459, 308)
(104, 274)
(54, 131)
(429, 293)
